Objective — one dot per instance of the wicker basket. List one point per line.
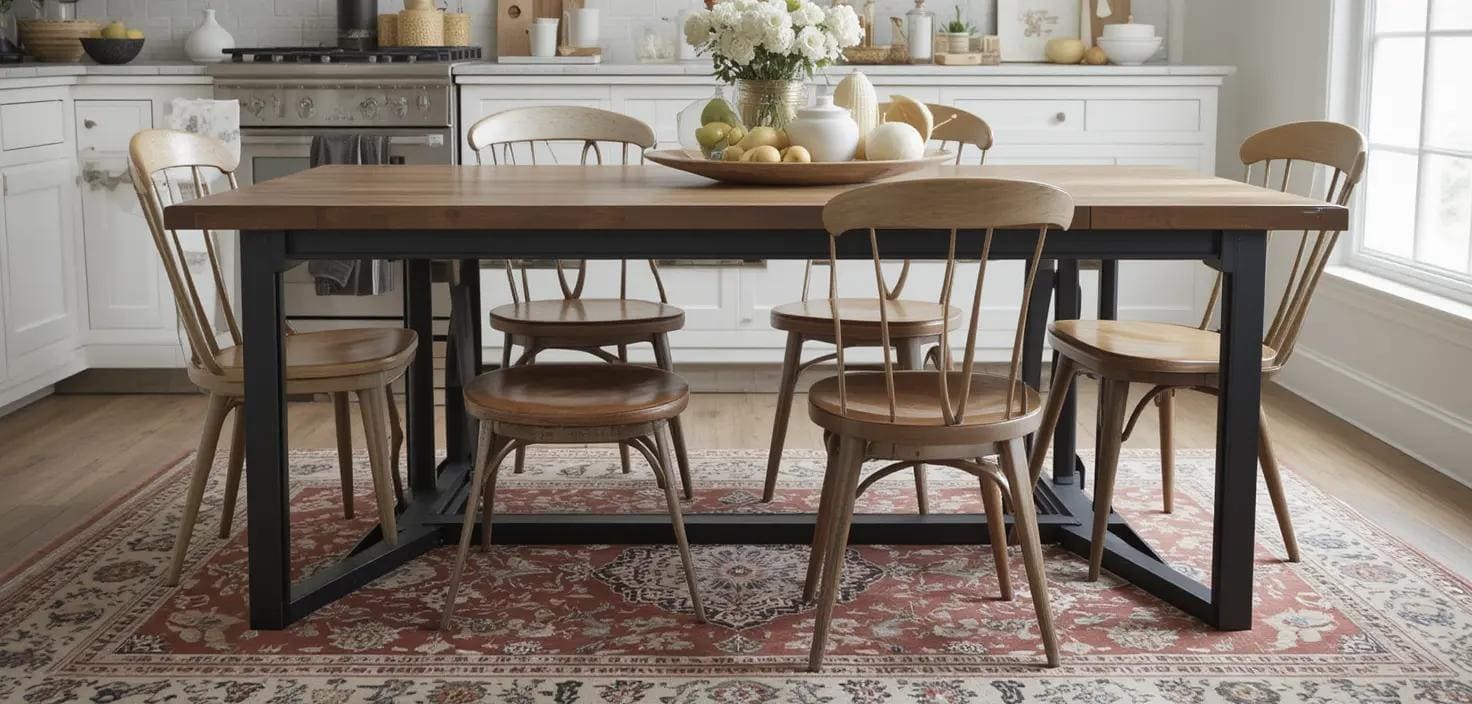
(421, 28)
(388, 30)
(57, 41)
(457, 29)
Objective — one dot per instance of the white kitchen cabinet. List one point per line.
(37, 205)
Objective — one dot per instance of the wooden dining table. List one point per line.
(420, 214)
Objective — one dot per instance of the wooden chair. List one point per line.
(914, 325)
(573, 322)
(1170, 357)
(953, 418)
(571, 403)
(338, 362)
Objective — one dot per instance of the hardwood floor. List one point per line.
(66, 456)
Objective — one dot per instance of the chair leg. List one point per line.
(506, 351)
(204, 458)
(786, 389)
(823, 525)
(1113, 400)
(1166, 400)
(519, 464)
(911, 354)
(343, 420)
(1063, 374)
(236, 467)
(623, 449)
(662, 442)
(372, 404)
(483, 461)
(847, 466)
(996, 525)
(497, 450)
(666, 362)
(396, 441)
(1274, 480)
(1026, 519)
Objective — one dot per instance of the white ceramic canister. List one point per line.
(207, 44)
(544, 36)
(828, 132)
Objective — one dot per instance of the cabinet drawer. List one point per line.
(1144, 116)
(32, 124)
(1027, 115)
(108, 125)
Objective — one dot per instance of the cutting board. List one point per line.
(1121, 15)
(514, 22)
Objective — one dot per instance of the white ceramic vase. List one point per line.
(828, 132)
(207, 44)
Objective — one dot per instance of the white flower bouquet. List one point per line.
(772, 40)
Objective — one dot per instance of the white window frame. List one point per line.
(1450, 284)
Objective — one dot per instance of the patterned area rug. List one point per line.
(1364, 618)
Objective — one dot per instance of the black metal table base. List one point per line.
(432, 514)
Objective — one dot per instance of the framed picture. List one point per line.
(1025, 26)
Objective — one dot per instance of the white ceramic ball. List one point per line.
(894, 141)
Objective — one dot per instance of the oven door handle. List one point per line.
(420, 140)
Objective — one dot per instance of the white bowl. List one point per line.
(1130, 52)
(1130, 30)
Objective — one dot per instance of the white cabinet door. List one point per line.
(125, 284)
(40, 304)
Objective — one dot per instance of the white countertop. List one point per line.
(137, 68)
(702, 68)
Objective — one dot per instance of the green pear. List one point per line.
(712, 135)
(718, 110)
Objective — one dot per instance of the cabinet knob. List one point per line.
(89, 124)
(1061, 117)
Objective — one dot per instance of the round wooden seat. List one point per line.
(333, 353)
(860, 316)
(1110, 345)
(918, 418)
(600, 318)
(577, 395)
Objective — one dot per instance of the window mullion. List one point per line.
(1416, 239)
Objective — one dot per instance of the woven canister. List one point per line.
(457, 29)
(388, 30)
(418, 4)
(421, 28)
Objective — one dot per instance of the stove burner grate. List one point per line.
(333, 55)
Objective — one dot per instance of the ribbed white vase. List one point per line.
(207, 44)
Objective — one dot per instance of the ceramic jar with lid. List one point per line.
(828, 132)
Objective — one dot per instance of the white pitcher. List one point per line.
(580, 27)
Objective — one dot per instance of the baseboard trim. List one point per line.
(1432, 435)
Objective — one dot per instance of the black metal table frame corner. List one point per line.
(432, 512)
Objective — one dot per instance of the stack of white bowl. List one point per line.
(1130, 44)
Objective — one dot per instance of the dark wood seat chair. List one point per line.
(953, 418)
(574, 322)
(571, 403)
(363, 362)
(914, 326)
(1170, 357)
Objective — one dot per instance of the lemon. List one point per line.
(765, 154)
(761, 136)
(796, 155)
(115, 30)
(733, 153)
(135, 34)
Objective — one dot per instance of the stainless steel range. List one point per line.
(290, 96)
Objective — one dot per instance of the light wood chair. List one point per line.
(1169, 357)
(573, 322)
(914, 325)
(953, 418)
(338, 362)
(571, 403)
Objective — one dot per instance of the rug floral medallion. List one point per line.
(1363, 618)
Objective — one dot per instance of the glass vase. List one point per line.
(769, 103)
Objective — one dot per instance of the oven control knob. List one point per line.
(400, 106)
(369, 108)
(305, 108)
(256, 106)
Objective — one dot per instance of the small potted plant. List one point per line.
(958, 33)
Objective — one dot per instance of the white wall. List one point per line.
(1394, 367)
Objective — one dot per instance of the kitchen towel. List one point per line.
(350, 277)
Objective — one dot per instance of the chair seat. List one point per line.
(1115, 346)
(918, 418)
(587, 317)
(333, 353)
(860, 318)
(577, 395)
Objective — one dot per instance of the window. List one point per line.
(1415, 218)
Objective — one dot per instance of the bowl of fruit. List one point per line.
(115, 44)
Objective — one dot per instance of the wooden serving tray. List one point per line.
(829, 173)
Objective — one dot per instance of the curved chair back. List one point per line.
(1332, 145)
(947, 204)
(500, 133)
(163, 164)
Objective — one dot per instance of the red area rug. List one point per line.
(1363, 618)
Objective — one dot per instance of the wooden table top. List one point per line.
(652, 197)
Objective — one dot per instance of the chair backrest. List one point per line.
(1335, 146)
(500, 133)
(163, 164)
(953, 126)
(947, 204)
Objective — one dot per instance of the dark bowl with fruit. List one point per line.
(112, 51)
